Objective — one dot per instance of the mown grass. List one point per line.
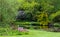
(38, 33)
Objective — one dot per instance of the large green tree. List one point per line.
(8, 10)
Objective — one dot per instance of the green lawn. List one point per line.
(38, 33)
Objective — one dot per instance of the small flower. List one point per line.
(21, 29)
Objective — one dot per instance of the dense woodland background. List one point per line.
(29, 12)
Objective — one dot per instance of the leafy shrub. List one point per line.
(8, 31)
(57, 24)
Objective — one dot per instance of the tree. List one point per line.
(8, 10)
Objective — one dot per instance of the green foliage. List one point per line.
(57, 25)
(42, 18)
(9, 10)
(53, 15)
(9, 32)
(42, 11)
(10, 7)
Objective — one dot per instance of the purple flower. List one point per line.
(21, 29)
